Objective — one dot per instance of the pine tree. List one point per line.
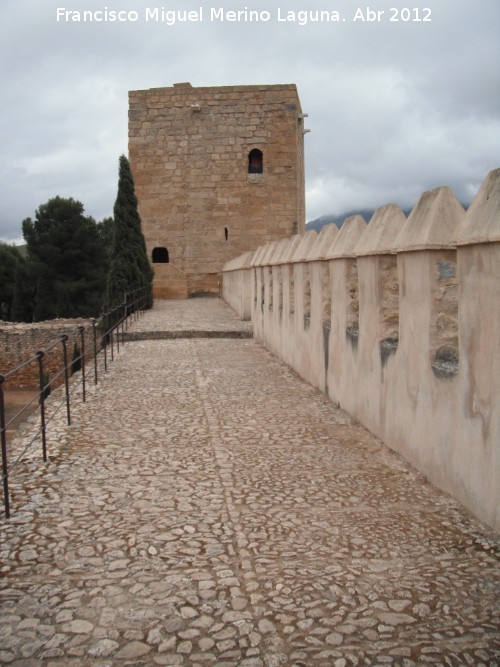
(10, 262)
(23, 299)
(130, 268)
(66, 261)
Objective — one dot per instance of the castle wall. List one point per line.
(189, 154)
(170, 282)
(19, 342)
(398, 322)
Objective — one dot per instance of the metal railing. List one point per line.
(104, 335)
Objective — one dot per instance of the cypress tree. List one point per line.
(130, 268)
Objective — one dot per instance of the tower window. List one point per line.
(160, 256)
(226, 233)
(255, 161)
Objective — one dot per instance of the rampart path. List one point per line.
(209, 508)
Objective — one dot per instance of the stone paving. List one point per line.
(209, 508)
(191, 318)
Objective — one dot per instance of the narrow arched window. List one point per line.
(160, 256)
(255, 161)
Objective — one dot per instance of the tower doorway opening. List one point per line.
(160, 256)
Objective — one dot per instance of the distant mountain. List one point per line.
(338, 220)
(366, 213)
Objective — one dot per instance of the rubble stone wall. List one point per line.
(20, 342)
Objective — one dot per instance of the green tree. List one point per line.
(66, 260)
(106, 234)
(10, 261)
(23, 300)
(13, 283)
(130, 268)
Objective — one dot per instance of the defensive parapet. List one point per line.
(398, 322)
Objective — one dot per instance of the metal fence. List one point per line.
(105, 336)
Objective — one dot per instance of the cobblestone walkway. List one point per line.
(192, 318)
(209, 508)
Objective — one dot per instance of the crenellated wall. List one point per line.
(398, 321)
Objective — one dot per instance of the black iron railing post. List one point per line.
(3, 435)
(40, 355)
(94, 336)
(112, 323)
(104, 340)
(119, 323)
(105, 357)
(127, 295)
(81, 329)
(64, 340)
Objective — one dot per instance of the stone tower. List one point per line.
(218, 172)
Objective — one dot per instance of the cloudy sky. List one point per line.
(396, 107)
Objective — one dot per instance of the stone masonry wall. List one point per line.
(189, 153)
(170, 282)
(20, 342)
(410, 345)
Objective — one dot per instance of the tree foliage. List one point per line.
(129, 268)
(75, 267)
(66, 259)
(12, 266)
(24, 294)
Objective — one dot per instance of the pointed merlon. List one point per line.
(434, 222)
(382, 231)
(348, 237)
(482, 220)
(326, 237)
(308, 241)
